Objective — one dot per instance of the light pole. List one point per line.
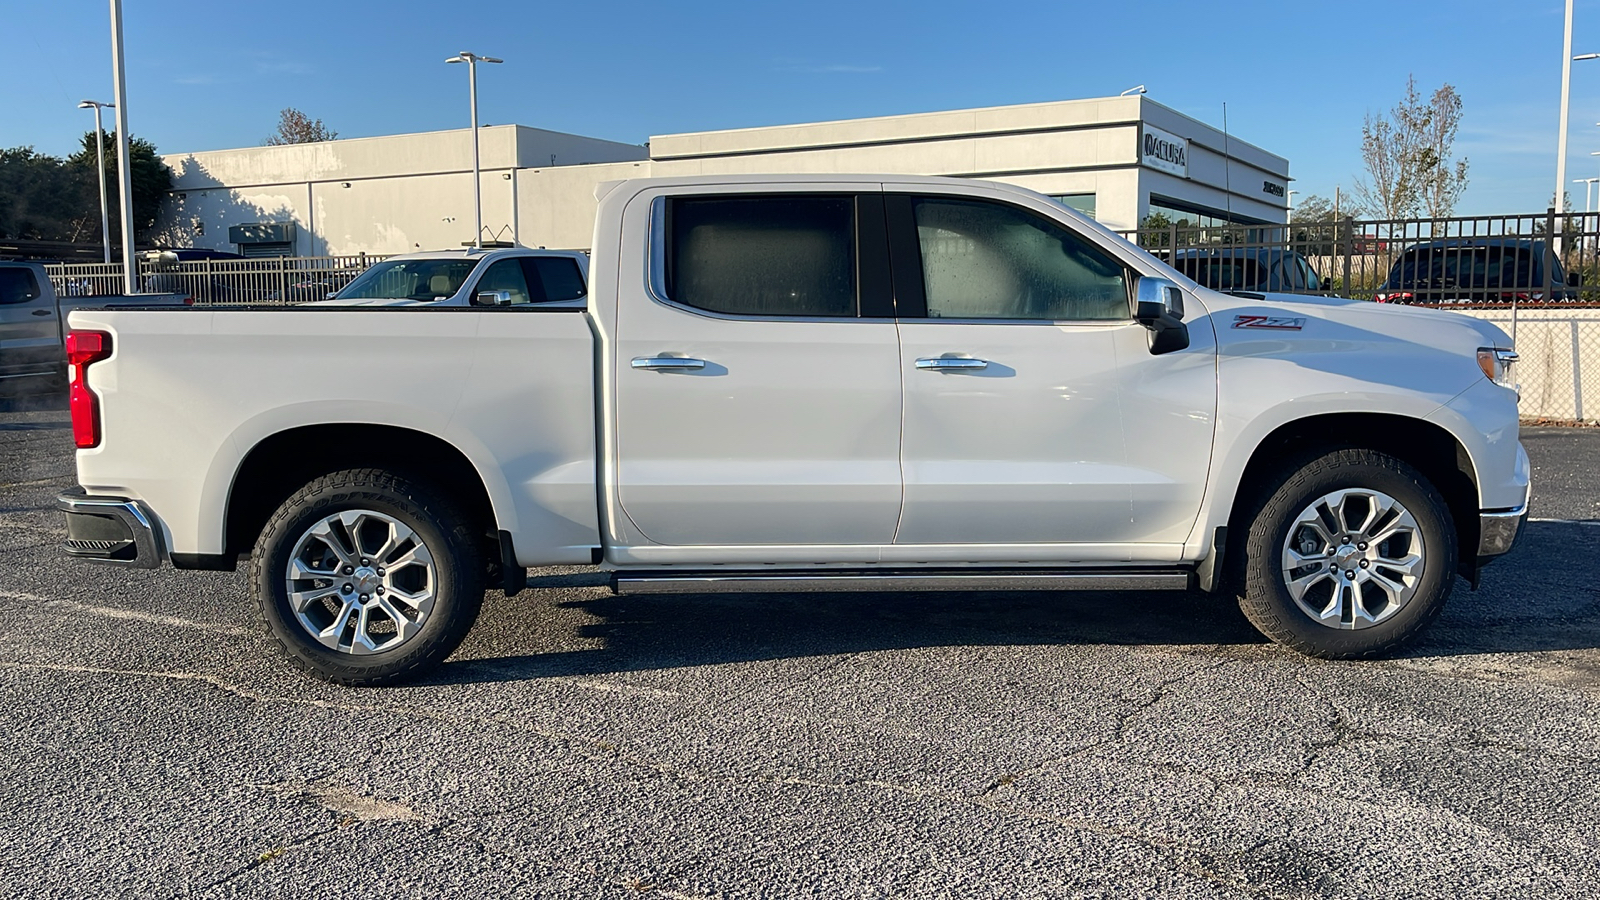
(472, 60)
(1289, 205)
(124, 170)
(1588, 192)
(100, 166)
(1136, 89)
(1566, 93)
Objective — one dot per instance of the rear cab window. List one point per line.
(17, 285)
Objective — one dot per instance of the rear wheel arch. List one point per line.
(1428, 447)
(282, 463)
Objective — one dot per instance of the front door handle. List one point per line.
(43, 312)
(668, 363)
(951, 362)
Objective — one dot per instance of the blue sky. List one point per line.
(1297, 76)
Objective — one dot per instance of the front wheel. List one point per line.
(1351, 555)
(364, 577)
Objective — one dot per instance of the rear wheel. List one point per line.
(365, 577)
(1351, 554)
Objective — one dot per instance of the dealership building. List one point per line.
(1118, 159)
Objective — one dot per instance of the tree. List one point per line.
(295, 127)
(1408, 156)
(1315, 229)
(151, 182)
(39, 197)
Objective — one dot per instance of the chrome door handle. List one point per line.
(668, 363)
(951, 362)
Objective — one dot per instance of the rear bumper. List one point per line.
(113, 530)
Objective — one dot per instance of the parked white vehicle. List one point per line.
(809, 383)
(471, 277)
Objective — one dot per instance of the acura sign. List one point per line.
(1165, 152)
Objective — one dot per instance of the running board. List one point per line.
(841, 580)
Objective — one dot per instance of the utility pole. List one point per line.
(100, 169)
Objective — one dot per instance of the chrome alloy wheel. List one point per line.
(1353, 558)
(361, 582)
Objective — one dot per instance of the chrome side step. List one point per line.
(843, 580)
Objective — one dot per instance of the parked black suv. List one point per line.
(1475, 270)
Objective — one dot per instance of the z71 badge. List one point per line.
(1275, 323)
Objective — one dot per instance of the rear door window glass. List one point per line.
(763, 256)
(553, 278)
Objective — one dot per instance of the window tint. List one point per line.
(1468, 267)
(552, 278)
(17, 285)
(990, 261)
(763, 256)
(505, 275)
(410, 279)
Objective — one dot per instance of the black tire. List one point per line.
(439, 524)
(1266, 600)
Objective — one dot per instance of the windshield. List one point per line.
(410, 279)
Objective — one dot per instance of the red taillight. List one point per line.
(83, 348)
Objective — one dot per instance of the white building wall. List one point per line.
(407, 192)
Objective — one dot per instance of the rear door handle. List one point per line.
(668, 363)
(951, 362)
(43, 312)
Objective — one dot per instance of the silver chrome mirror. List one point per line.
(494, 298)
(1162, 291)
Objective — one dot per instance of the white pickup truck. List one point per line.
(790, 383)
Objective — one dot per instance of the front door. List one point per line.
(30, 337)
(755, 404)
(1029, 404)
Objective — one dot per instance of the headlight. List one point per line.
(1496, 365)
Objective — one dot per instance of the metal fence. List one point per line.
(1536, 275)
(272, 281)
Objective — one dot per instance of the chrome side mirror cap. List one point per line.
(1163, 292)
(1158, 306)
(494, 298)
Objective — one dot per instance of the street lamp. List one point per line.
(1289, 204)
(1567, 59)
(472, 60)
(100, 166)
(124, 170)
(1588, 192)
(1138, 89)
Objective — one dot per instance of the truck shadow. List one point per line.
(1544, 596)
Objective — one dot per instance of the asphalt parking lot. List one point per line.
(581, 745)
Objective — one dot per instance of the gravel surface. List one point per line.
(859, 745)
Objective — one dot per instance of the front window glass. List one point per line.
(991, 261)
(17, 285)
(410, 279)
(505, 275)
(763, 256)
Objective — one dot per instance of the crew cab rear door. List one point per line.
(756, 371)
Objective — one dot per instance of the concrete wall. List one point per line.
(1560, 366)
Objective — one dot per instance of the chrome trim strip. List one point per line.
(901, 581)
(132, 513)
(1498, 531)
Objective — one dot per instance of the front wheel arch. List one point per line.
(1427, 447)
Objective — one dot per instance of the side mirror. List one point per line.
(1574, 279)
(494, 298)
(1158, 306)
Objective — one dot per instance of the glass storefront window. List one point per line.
(1083, 203)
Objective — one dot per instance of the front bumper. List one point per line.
(112, 530)
(1498, 531)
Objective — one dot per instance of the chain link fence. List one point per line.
(1535, 275)
(271, 281)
